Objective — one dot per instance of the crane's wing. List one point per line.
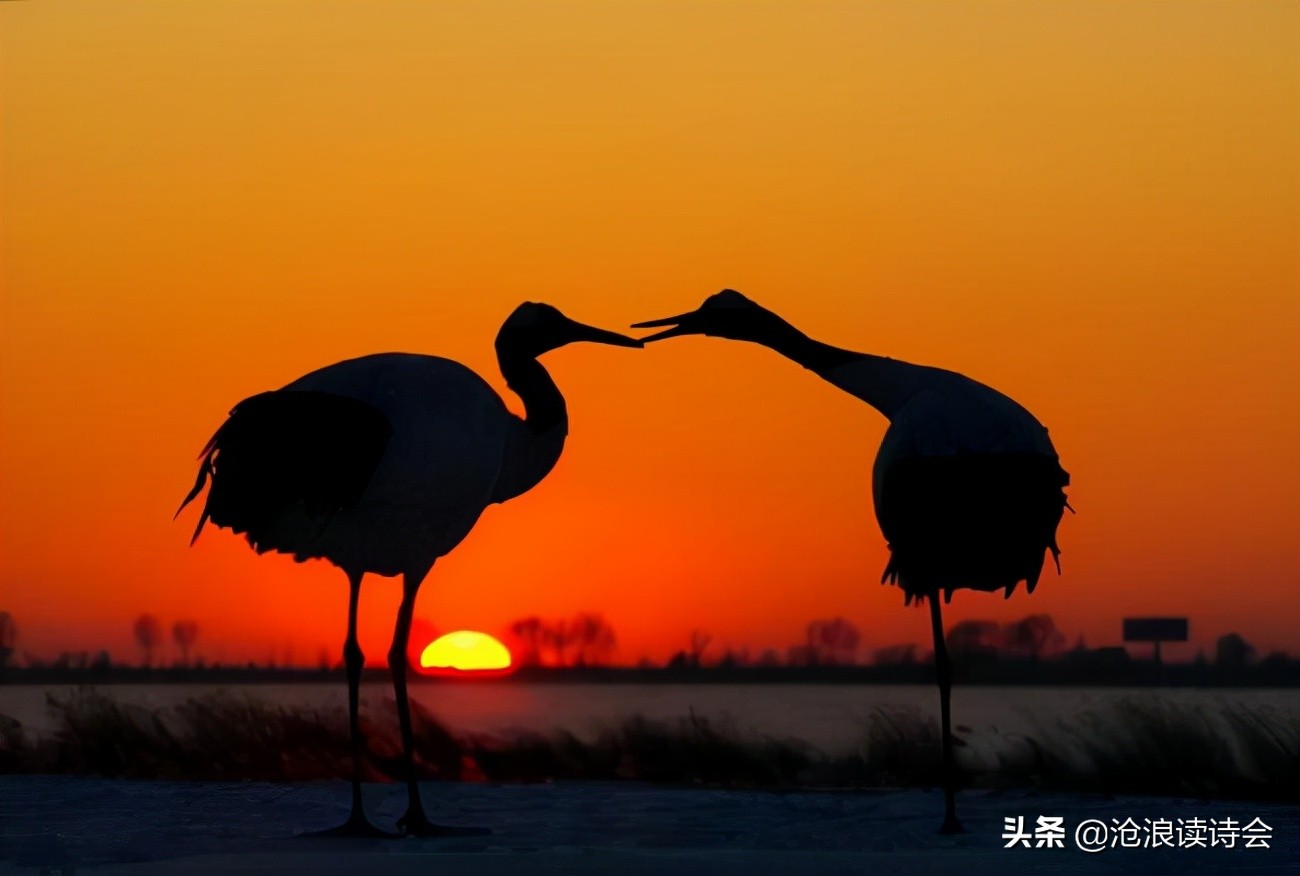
(285, 447)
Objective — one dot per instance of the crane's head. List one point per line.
(533, 329)
(727, 314)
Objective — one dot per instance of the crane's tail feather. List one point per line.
(284, 450)
(205, 471)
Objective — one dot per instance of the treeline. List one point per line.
(147, 630)
(586, 639)
(982, 650)
(837, 642)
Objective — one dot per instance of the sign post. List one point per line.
(1155, 629)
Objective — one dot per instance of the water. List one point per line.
(829, 716)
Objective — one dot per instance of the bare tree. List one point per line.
(833, 642)
(529, 633)
(973, 638)
(184, 634)
(1034, 637)
(147, 633)
(594, 638)
(8, 638)
(558, 637)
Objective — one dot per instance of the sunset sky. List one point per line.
(1094, 207)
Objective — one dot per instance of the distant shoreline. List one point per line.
(1061, 673)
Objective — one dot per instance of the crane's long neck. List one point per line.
(793, 344)
(885, 384)
(535, 443)
(544, 407)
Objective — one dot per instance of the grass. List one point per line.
(1138, 746)
(1153, 746)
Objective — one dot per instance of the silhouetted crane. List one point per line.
(968, 489)
(383, 464)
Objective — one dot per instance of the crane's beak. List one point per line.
(683, 324)
(582, 332)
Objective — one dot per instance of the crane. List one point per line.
(967, 487)
(381, 465)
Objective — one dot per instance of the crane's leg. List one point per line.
(414, 822)
(357, 823)
(943, 672)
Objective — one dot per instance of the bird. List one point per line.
(382, 464)
(967, 487)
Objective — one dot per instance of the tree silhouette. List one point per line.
(585, 640)
(974, 638)
(147, 633)
(1232, 651)
(184, 634)
(594, 639)
(8, 638)
(1034, 637)
(558, 637)
(832, 642)
(528, 631)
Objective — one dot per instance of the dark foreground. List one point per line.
(102, 826)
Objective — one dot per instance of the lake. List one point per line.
(829, 716)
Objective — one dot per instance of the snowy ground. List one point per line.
(82, 825)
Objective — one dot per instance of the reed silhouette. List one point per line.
(383, 464)
(1129, 744)
(968, 488)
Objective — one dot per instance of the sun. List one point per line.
(465, 651)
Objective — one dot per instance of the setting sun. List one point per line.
(465, 651)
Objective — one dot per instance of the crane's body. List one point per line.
(452, 448)
(967, 487)
(966, 484)
(381, 465)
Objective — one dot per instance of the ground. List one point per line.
(52, 824)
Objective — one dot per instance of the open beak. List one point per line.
(682, 324)
(582, 332)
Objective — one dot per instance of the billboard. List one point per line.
(1155, 629)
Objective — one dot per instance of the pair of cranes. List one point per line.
(383, 464)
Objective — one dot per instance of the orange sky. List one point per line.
(1093, 207)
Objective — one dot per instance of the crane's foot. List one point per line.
(418, 824)
(356, 827)
(951, 825)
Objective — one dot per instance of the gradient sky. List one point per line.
(1093, 207)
